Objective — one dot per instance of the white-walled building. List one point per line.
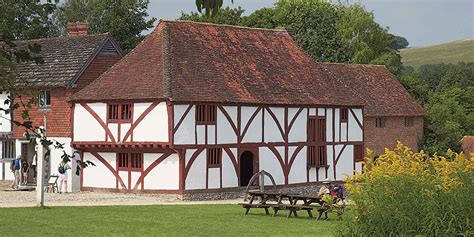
(198, 107)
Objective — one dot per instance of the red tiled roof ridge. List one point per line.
(222, 25)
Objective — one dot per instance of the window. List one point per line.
(380, 122)
(408, 121)
(206, 114)
(358, 153)
(344, 115)
(130, 161)
(317, 156)
(45, 99)
(8, 149)
(316, 129)
(214, 157)
(119, 112)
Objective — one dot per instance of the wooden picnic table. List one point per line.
(307, 199)
(278, 197)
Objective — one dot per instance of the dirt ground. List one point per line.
(28, 199)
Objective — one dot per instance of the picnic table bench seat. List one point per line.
(293, 209)
(265, 206)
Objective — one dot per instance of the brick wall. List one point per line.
(377, 139)
(58, 117)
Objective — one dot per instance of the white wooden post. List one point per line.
(40, 175)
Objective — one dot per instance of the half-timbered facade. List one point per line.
(70, 63)
(199, 107)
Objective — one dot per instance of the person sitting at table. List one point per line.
(325, 188)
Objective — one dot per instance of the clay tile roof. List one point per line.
(63, 58)
(201, 62)
(382, 93)
(467, 144)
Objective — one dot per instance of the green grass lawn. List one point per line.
(451, 52)
(188, 220)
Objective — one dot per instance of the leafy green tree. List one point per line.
(415, 86)
(398, 42)
(228, 16)
(125, 20)
(23, 20)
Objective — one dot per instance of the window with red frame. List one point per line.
(316, 129)
(344, 112)
(206, 114)
(358, 153)
(317, 156)
(214, 157)
(119, 112)
(130, 161)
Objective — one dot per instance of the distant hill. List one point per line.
(452, 52)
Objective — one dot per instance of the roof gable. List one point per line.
(65, 58)
(185, 61)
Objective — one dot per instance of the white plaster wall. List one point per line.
(211, 134)
(124, 176)
(312, 174)
(343, 132)
(99, 176)
(359, 167)
(113, 127)
(164, 176)
(345, 165)
(254, 132)
(186, 131)
(355, 132)
(298, 169)
(336, 125)
(214, 177)
(8, 173)
(225, 133)
(329, 135)
(86, 127)
(229, 175)
(298, 131)
(321, 112)
(154, 127)
(330, 156)
(312, 112)
(201, 134)
(134, 178)
(5, 124)
(196, 178)
(269, 163)
(271, 131)
(125, 127)
(139, 108)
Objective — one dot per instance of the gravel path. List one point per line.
(28, 199)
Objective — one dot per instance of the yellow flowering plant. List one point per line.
(403, 192)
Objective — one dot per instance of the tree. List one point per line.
(125, 20)
(398, 42)
(228, 16)
(23, 20)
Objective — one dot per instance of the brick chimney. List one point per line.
(77, 28)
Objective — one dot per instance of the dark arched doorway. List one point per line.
(246, 167)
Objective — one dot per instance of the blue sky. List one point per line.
(422, 22)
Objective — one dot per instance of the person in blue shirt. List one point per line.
(15, 168)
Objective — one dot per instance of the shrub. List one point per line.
(407, 193)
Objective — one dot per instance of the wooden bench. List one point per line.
(265, 206)
(292, 209)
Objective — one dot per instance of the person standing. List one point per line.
(62, 169)
(33, 166)
(25, 169)
(15, 168)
